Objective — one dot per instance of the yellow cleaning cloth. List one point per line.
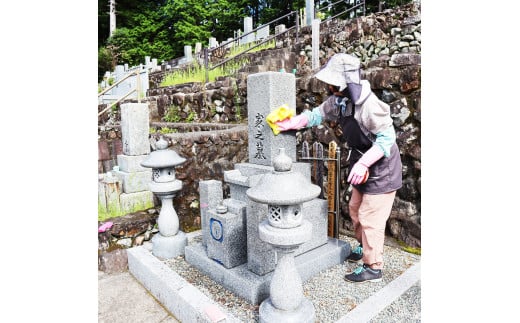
(278, 114)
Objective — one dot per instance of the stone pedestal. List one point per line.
(169, 246)
(304, 313)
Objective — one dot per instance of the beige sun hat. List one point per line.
(340, 70)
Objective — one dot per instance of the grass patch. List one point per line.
(235, 50)
(197, 72)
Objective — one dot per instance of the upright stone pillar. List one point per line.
(198, 47)
(265, 92)
(135, 130)
(248, 26)
(187, 53)
(119, 73)
(316, 44)
(309, 12)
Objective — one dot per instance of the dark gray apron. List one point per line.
(385, 175)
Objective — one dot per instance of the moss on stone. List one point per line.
(407, 248)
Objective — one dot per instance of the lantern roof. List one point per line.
(283, 186)
(162, 157)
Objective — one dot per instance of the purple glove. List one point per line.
(293, 123)
(359, 172)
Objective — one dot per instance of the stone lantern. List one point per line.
(169, 242)
(284, 191)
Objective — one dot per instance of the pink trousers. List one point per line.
(369, 213)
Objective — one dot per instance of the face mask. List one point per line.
(353, 91)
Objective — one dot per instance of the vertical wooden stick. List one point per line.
(331, 189)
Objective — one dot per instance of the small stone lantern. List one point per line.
(170, 242)
(284, 191)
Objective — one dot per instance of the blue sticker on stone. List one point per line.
(215, 229)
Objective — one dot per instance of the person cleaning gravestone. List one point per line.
(375, 169)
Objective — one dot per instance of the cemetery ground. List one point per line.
(123, 298)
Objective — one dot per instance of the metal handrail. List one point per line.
(362, 3)
(207, 51)
(137, 89)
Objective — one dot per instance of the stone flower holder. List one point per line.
(169, 242)
(285, 228)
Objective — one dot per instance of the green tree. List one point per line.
(226, 16)
(146, 37)
(273, 9)
(105, 61)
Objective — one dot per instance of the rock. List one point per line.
(113, 262)
(132, 225)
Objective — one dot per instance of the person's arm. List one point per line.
(305, 119)
(328, 110)
(381, 147)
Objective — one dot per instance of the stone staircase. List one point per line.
(271, 60)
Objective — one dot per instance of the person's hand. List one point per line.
(358, 174)
(293, 123)
(279, 114)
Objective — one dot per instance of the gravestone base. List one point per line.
(169, 247)
(304, 313)
(255, 288)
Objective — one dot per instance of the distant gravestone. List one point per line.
(213, 42)
(248, 26)
(187, 53)
(229, 43)
(279, 28)
(198, 47)
(262, 33)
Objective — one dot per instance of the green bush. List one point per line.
(172, 115)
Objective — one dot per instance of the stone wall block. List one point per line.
(103, 150)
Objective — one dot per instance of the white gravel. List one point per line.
(331, 295)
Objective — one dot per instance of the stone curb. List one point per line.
(188, 304)
(367, 310)
(182, 299)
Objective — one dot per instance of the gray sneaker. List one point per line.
(356, 254)
(365, 273)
